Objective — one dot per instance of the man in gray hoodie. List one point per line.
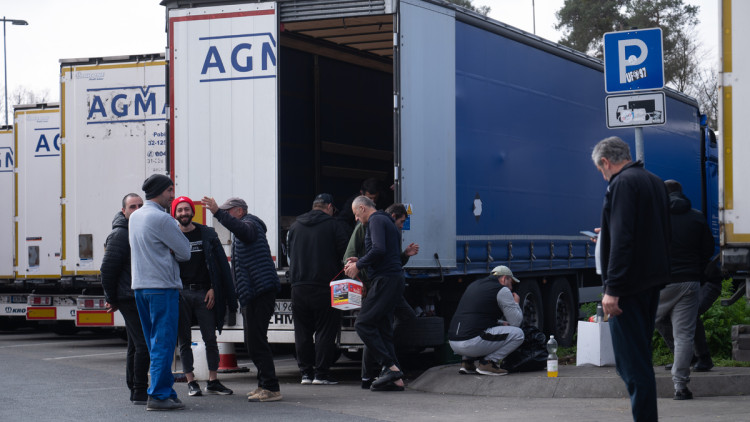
(156, 244)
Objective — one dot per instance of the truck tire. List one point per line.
(531, 303)
(419, 333)
(560, 305)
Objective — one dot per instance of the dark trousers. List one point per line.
(314, 319)
(136, 359)
(192, 305)
(403, 313)
(707, 295)
(632, 332)
(374, 322)
(256, 316)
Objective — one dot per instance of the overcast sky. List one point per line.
(95, 28)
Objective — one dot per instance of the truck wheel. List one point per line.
(561, 312)
(419, 333)
(531, 303)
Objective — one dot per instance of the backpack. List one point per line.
(531, 355)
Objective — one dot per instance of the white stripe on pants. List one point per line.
(493, 351)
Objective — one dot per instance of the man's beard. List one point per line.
(185, 220)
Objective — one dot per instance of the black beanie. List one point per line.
(155, 185)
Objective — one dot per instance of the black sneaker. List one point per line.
(306, 380)
(166, 404)
(467, 367)
(703, 365)
(216, 387)
(683, 394)
(366, 383)
(194, 389)
(324, 380)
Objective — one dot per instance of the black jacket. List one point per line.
(382, 247)
(252, 264)
(317, 242)
(220, 274)
(692, 243)
(115, 269)
(635, 232)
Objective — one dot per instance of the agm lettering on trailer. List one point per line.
(43, 147)
(126, 104)
(240, 56)
(6, 159)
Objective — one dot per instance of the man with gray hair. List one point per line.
(635, 234)
(383, 262)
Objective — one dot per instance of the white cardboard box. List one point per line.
(594, 344)
(346, 294)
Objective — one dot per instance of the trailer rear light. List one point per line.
(39, 301)
(94, 303)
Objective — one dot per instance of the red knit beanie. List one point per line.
(177, 201)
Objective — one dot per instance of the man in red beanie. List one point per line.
(207, 293)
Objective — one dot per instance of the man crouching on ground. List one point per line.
(474, 331)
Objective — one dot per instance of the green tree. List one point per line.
(584, 23)
(482, 10)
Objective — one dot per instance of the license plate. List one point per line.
(283, 307)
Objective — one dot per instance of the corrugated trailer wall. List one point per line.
(526, 123)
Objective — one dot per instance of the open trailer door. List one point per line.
(426, 110)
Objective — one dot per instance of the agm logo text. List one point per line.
(236, 57)
(127, 104)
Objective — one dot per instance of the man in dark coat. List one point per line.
(635, 232)
(115, 272)
(690, 250)
(316, 243)
(383, 262)
(257, 285)
(206, 296)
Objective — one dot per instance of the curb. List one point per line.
(576, 382)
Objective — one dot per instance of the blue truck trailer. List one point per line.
(483, 130)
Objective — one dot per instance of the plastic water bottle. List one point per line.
(552, 357)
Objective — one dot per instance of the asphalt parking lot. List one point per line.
(81, 377)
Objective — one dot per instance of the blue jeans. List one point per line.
(631, 339)
(159, 312)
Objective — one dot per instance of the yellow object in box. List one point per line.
(346, 294)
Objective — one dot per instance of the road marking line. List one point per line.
(85, 356)
(40, 344)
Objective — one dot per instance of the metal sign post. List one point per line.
(633, 61)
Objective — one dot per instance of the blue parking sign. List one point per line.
(633, 60)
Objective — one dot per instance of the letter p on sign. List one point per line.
(633, 60)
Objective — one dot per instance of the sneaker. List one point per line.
(265, 395)
(703, 365)
(668, 367)
(489, 368)
(386, 377)
(324, 380)
(467, 367)
(194, 389)
(166, 404)
(216, 387)
(254, 392)
(366, 383)
(683, 394)
(306, 380)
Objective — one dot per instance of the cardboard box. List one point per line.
(594, 344)
(346, 294)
